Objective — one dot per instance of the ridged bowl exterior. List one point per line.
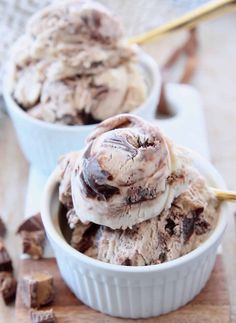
(43, 143)
(133, 292)
(136, 295)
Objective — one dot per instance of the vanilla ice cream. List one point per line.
(123, 176)
(175, 232)
(133, 197)
(73, 66)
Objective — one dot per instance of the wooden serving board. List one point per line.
(211, 305)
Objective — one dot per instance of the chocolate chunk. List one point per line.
(188, 228)
(37, 289)
(2, 228)
(169, 227)
(33, 243)
(46, 316)
(126, 262)
(87, 118)
(202, 227)
(34, 223)
(5, 260)
(7, 287)
(140, 194)
(7, 281)
(86, 241)
(162, 257)
(198, 212)
(33, 236)
(189, 223)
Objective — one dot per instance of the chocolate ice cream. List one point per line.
(73, 66)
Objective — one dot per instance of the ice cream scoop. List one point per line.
(84, 100)
(177, 231)
(72, 38)
(72, 62)
(128, 173)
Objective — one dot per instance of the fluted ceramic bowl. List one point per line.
(133, 292)
(43, 143)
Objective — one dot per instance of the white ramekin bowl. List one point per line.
(133, 292)
(43, 143)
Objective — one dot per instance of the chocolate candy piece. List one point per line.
(46, 316)
(33, 236)
(2, 228)
(37, 289)
(7, 287)
(33, 243)
(5, 260)
(34, 223)
(7, 281)
(82, 236)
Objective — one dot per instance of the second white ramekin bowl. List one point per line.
(43, 143)
(133, 292)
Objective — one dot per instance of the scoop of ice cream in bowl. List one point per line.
(71, 69)
(132, 221)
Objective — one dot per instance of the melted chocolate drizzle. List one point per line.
(94, 179)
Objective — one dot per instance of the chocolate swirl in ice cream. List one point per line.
(122, 177)
(132, 197)
(175, 232)
(73, 66)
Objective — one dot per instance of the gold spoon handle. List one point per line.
(224, 195)
(210, 10)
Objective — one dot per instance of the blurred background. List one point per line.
(137, 16)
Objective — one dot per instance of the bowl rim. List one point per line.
(143, 59)
(62, 244)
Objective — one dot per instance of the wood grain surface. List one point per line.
(216, 82)
(211, 305)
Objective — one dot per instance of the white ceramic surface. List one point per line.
(133, 292)
(43, 143)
